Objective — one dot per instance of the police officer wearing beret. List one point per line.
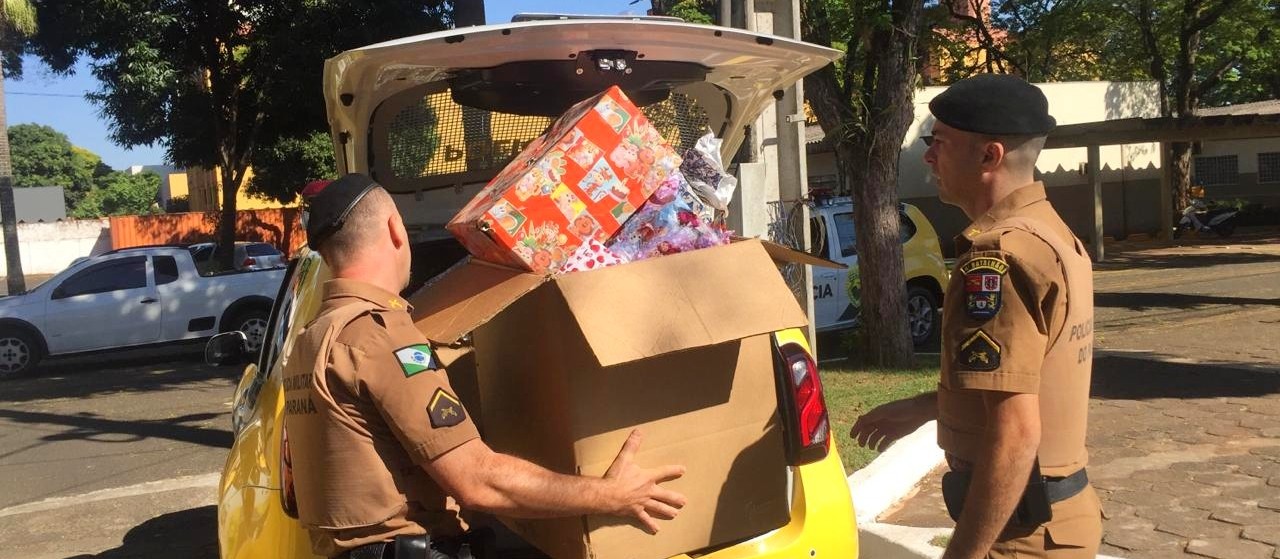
(1017, 338)
(383, 454)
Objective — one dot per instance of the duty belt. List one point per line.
(415, 547)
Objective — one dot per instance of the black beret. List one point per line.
(995, 104)
(327, 206)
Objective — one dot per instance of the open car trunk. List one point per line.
(434, 117)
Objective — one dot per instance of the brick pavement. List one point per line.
(1186, 459)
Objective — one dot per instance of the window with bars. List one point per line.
(435, 136)
(1214, 170)
(1269, 167)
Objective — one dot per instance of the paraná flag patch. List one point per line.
(416, 358)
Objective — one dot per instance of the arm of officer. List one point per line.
(1000, 476)
(411, 390)
(492, 482)
(1000, 352)
(882, 426)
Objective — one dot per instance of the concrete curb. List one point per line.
(893, 475)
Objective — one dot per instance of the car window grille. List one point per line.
(430, 138)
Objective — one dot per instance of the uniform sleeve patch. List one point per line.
(979, 353)
(982, 281)
(416, 358)
(445, 410)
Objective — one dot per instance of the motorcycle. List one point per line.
(1199, 218)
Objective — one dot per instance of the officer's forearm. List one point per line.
(1000, 476)
(517, 488)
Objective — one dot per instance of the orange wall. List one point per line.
(280, 227)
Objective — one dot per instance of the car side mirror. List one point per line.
(228, 348)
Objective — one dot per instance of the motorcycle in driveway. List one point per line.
(1197, 217)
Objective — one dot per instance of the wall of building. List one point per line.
(204, 191)
(1249, 183)
(48, 248)
(1130, 173)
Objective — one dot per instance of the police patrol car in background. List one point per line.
(831, 236)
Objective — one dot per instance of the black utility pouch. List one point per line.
(412, 547)
(955, 486)
(1033, 508)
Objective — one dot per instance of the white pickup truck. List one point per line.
(131, 297)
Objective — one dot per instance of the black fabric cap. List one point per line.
(327, 210)
(995, 104)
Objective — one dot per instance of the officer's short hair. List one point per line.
(363, 224)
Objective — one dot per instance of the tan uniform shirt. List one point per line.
(1018, 317)
(367, 406)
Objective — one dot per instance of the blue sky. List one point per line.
(44, 98)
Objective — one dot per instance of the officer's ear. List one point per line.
(399, 234)
(993, 154)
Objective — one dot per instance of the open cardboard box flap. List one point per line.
(466, 297)
(635, 311)
(786, 255)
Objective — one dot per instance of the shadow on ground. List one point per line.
(189, 534)
(93, 427)
(1144, 301)
(1129, 378)
(142, 370)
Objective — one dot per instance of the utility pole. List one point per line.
(771, 199)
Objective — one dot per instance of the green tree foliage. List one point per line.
(43, 156)
(292, 162)
(120, 193)
(211, 82)
(692, 11)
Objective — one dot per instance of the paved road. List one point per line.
(1184, 430)
(114, 456)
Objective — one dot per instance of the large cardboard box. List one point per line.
(580, 180)
(679, 346)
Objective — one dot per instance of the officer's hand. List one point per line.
(881, 427)
(637, 491)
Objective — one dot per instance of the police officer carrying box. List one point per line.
(1017, 338)
(384, 455)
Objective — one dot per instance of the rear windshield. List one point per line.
(423, 139)
(261, 250)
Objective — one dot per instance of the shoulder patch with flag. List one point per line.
(416, 358)
(982, 279)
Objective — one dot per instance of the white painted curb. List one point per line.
(894, 475)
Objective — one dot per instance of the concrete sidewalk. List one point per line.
(1186, 459)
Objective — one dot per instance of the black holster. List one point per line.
(1034, 508)
(476, 544)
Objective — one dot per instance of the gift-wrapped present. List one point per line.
(581, 180)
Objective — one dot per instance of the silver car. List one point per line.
(248, 256)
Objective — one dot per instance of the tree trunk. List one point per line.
(17, 283)
(227, 217)
(873, 163)
(1180, 158)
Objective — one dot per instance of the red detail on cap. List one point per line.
(314, 187)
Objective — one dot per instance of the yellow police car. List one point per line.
(433, 118)
(831, 235)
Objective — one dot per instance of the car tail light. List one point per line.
(248, 262)
(805, 410)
